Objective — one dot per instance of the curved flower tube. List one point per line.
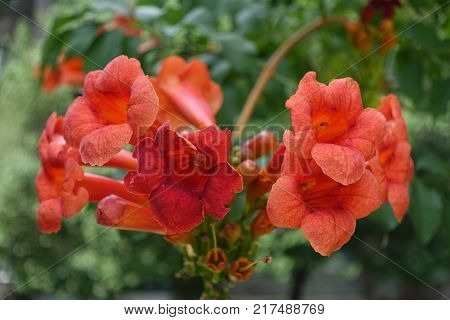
(331, 127)
(187, 94)
(118, 106)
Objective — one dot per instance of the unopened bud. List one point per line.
(248, 169)
(259, 145)
(261, 225)
(231, 232)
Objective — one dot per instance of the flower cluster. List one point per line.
(172, 180)
(362, 32)
(341, 162)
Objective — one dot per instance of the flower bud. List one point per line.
(259, 145)
(216, 259)
(248, 169)
(261, 225)
(241, 270)
(386, 26)
(231, 232)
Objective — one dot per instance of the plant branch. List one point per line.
(272, 64)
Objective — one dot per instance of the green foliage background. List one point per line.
(235, 38)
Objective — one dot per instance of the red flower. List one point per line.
(67, 72)
(393, 165)
(325, 210)
(184, 176)
(386, 7)
(187, 94)
(125, 23)
(63, 188)
(331, 127)
(117, 107)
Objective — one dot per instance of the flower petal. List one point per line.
(300, 142)
(342, 164)
(398, 197)
(220, 189)
(328, 230)
(49, 216)
(213, 143)
(344, 96)
(196, 76)
(285, 206)
(177, 210)
(366, 134)
(142, 106)
(100, 146)
(80, 120)
(362, 197)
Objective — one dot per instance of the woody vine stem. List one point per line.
(272, 64)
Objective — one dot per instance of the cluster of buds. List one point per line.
(363, 32)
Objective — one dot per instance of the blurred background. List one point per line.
(385, 260)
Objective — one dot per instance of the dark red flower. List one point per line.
(185, 176)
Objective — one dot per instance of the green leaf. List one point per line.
(237, 49)
(103, 50)
(148, 13)
(80, 39)
(109, 5)
(199, 17)
(237, 208)
(251, 16)
(384, 218)
(426, 211)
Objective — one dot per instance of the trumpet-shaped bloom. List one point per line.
(331, 127)
(62, 186)
(325, 210)
(393, 165)
(187, 94)
(118, 106)
(67, 72)
(184, 176)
